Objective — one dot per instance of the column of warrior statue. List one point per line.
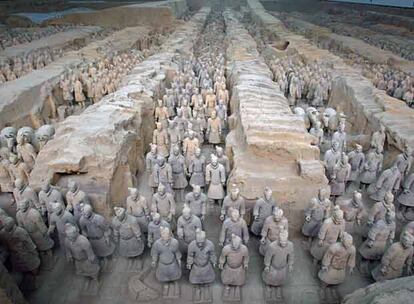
(194, 111)
(342, 228)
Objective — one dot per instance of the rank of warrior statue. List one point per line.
(369, 217)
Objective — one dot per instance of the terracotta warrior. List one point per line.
(354, 211)
(163, 175)
(187, 224)
(75, 199)
(318, 133)
(25, 151)
(197, 169)
(166, 258)
(201, 260)
(236, 225)
(197, 202)
(161, 114)
(380, 236)
(262, 210)
(18, 169)
(331, 230)
(338, 257)
(340, 137)
(389, 181)
(340, 176)
(371, 168)
(31, 220)
(272, 227)
(23, 254)
(127, 233)
(49, 194)
(357, 161)
(181, 122)
(179, 171)
(98, 231)
(79, 250)
(151, 160)
(314, 216)
(79, 96)
(379, 209)
(398, 256)
(323, 197)
(174, 135)
(23, 191)
(137, 206)
(278, 261)
(190, 144)
(404, 162)
(406, 199)
(164, 204)
(332, 158)
(223, 159)
(378, 138)
(160, 138)
(233, 201)
(213, 131)
(58, 220)
(154, 228)
(233, 261)
(215, 179)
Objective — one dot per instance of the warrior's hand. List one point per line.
(221, 266)
(324, 268)
(222, 217)
(384, 270)
(267, 269)
(351, 270)
(153, 264)
(370, 243)
(320, 243)
(307, 218)
(263, 241)
(290, 268)
(189, 266)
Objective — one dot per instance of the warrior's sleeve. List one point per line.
(88, 249)
(329, 254)
(180, 228)
(388, 256)
(291, 256)
(351, 258)
(246, 256)
(265, 229)
(213, 257)
(268, 257)
(172, 204)
(222, 233)
(245, 233)
(323, 231)
(136, 229)
(208, 177)
(39, 222)
(242, 208)
(372, 233)
(223, 256)
(222, 174)
(256, 209)
(190, 254)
